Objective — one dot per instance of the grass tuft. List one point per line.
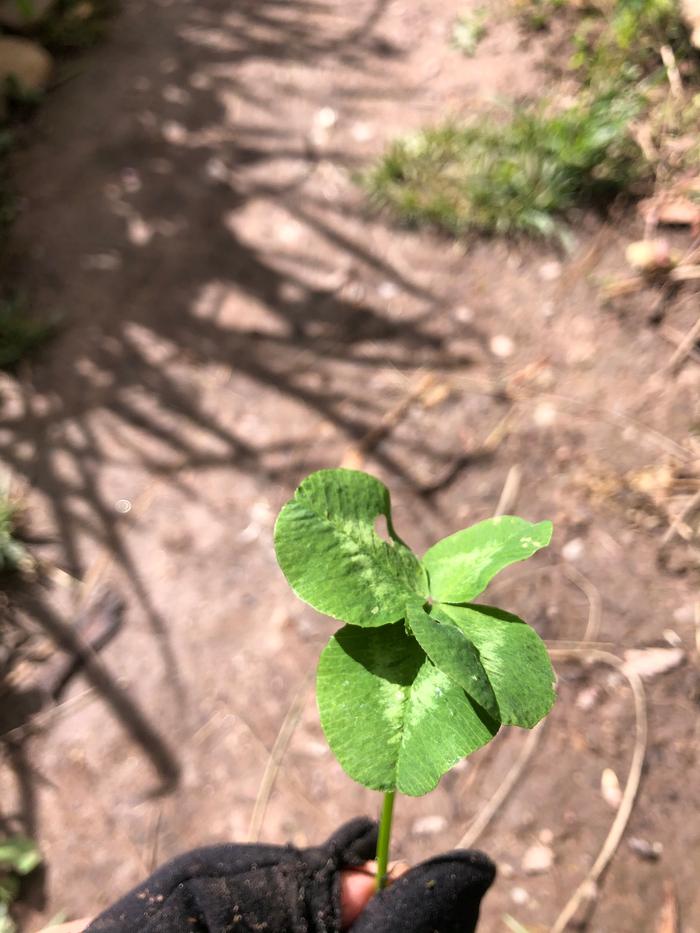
(13, 553)
(522, 176)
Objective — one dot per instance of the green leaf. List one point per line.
(9, 889)
(334, 559)
(514, 658)
(393, 720)
(461, 566)
(453, 654)
(19, 854)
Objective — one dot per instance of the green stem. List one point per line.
(383, 840)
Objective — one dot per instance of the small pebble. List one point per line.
(326, 117)
(519, 896)
(573, 549)
(387, 290)
(464, 314)
(650, 851)
(123, 506)
(610, 788)
(550, 271)
(429, 825)
(502, 346)
(537, 860)
(544, 415)
(362, 132)
(546, 837)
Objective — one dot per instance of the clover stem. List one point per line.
(384, 837)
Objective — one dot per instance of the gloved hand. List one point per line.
(276, 889)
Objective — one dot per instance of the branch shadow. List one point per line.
(186, 140)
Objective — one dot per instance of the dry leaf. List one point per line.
(650, 662)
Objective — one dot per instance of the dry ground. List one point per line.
(236, 317)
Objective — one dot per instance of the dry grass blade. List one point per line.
(679, 520)
(684, 348)
(355, 456)
(595, 603)
(672, 72)
(502, 792)
(277, 753)
(510, 491)
(585, 893)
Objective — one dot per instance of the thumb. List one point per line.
(443, 894)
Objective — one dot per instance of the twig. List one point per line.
(586, 892)
(498, 798)
(510, 491)
(675, 337)
(685, 348)
(279, 748)
(679, 520)
(388, 421)
(672, 72)
(595, 603)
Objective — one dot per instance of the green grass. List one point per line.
(468, 30)
(76, 24)
(618, 43)
(12, 552)
(521, 176)
(525, 173)
(20, 334)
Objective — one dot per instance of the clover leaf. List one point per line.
(420, 676)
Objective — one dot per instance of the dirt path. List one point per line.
(236, 318)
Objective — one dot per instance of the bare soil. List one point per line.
(235, 317)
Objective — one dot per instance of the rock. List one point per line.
(24, 62)
(610, 788)
(502, 346)
(537, 860)
(650, 851)
(544, 415)
(14, 18)
(650, 662)
(519, 896)
(464, 314)
(429, 825)
(573, 549)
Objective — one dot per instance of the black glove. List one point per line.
(276, 889)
